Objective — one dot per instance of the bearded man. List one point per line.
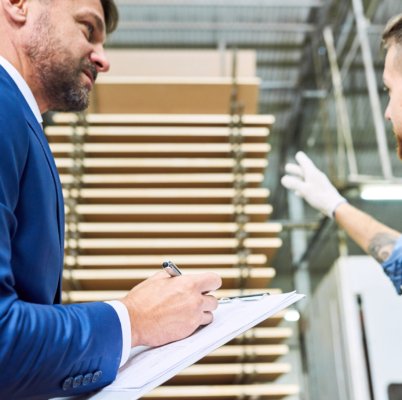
(50, 54)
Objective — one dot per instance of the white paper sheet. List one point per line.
(147, 368)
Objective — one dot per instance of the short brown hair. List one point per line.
(111, 15)
(393, 32)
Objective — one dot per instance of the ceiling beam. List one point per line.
(225, 3)
(265, 27)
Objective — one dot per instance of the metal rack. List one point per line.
(73, 195)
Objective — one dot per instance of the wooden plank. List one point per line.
(267, 246)
(150, 62)
(175, 230)
(171, 95)
(167, 196)
(224, 392)
(163, 180)
(125, 279)
(205, 150)
(271, 335)
(226, 374)
(197, 261)
(77, 296)
(246, 353)
(169, 212)
(154, 134)
(172, 120)
(160, 165)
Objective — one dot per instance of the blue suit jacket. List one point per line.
(46, 349)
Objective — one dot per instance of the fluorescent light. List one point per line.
(381, 192)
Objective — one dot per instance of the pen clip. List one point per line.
(171, 268)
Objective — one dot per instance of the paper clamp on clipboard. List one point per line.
(243, 297)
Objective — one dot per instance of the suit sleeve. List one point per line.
(45, 350)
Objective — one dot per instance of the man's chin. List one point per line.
(399, 149)
(74, 103)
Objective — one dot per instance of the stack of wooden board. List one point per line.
(158, 187)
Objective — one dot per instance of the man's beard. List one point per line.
(58, 71)
(399, 146)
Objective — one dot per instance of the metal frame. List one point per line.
(225, 3)
(217, 26)
(361, 25)
(343, 122)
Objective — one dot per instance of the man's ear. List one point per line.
(16, 10)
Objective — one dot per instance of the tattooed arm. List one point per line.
(375, 238)
(381, 246)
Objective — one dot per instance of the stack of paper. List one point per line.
(147, 368)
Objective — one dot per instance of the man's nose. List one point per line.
(98, 57)
(387, 113)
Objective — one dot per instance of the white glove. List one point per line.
(313, 185)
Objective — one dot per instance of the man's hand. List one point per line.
(313, 185)
(163, 309)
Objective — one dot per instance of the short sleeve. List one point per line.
(393, 266)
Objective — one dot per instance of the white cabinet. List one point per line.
(354, 334)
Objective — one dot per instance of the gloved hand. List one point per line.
(313, 185)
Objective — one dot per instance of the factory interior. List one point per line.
(180, 156)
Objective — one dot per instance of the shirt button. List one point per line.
(68, 383)
(87, 379)
(96, 376)
(77, 381)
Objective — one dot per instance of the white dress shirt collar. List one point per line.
(23, 87)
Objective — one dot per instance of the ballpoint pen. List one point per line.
(244, 297)
(171, 268)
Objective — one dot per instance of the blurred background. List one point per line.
(313, 70)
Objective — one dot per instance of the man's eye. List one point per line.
(90, 30)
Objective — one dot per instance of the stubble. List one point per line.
(57, 69)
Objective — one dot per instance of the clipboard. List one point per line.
(148, 367)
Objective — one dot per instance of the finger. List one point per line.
(207, 318)
(210, 303)
(207, 282)
(294, 169)
(293, 183)
(305, 162)
(159, 275)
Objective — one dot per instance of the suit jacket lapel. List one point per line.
(50, 160)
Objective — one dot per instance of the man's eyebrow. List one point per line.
(100, 24)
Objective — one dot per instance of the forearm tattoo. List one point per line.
(381, 246)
